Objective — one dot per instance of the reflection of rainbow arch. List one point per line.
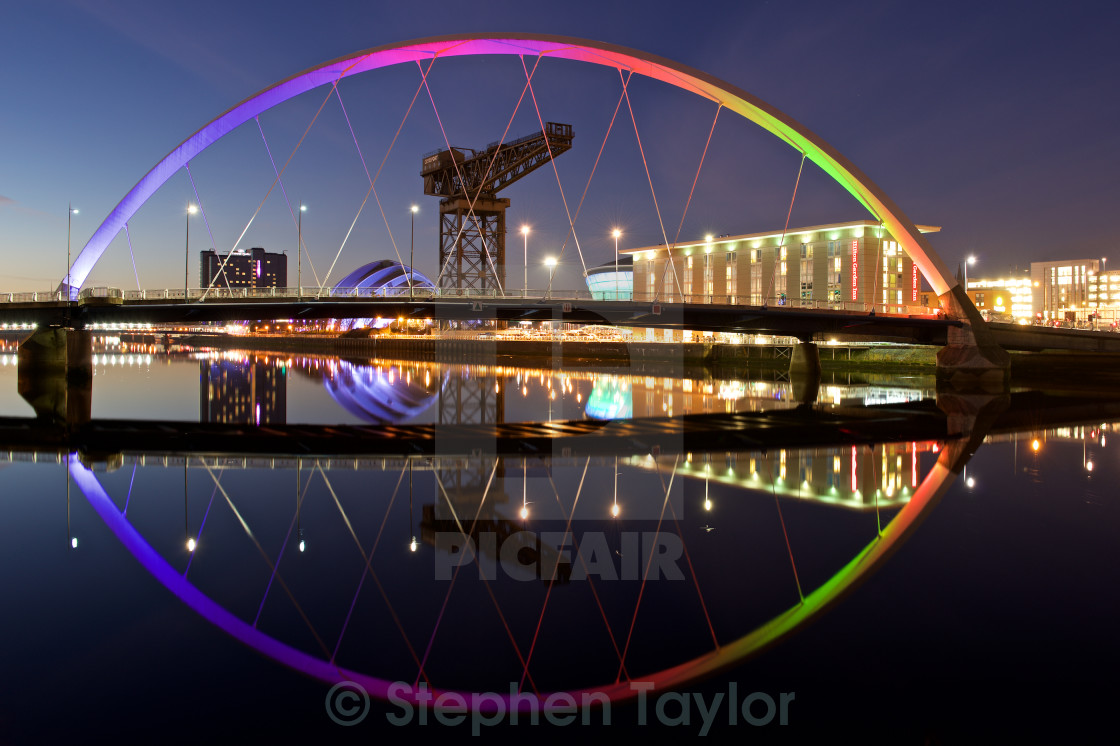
(924, 498)
(804, 141)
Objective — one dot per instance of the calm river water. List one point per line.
(843, 582)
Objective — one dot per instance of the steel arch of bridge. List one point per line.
(737, 100)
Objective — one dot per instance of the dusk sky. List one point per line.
(996, 121)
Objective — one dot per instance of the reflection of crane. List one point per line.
(472, 241)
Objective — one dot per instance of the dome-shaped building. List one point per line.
(611, 280)
(385, 277)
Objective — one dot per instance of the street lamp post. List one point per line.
(70, 211)
(970, 260)
(525, 249)
(616, 233)
(411, 244)
(299, 252)
(191, 210)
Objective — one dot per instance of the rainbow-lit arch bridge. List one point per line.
(623, 59)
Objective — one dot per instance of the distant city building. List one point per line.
(1002, 299)
(1061, 289)
(855, 265)
(1104, 297)
(255, 268)
(609, 281)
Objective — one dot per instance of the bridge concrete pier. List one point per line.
(805, 372)
(55, 374)
(971, 358)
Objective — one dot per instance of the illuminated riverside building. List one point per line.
(1104, 297)
(1061, 289)
(854, 265)
(255, 268)
(1005, 299)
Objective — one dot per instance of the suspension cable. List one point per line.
(649, 561)
(458, 172)
(205, 220)
(284, 191)
(130, 253)
(670, 266)
(785, 229)
(472, 201)
(696, 178)
(552, 577)
(365, 168)
(222, 266)
(595, 166)
(552, 160)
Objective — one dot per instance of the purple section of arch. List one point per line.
(206, 607)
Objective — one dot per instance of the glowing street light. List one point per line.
(970, 260)
(191, 210)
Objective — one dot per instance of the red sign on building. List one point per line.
(855, 270)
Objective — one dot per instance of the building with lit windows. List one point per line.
(1104, 298)
(1003, 299)
(1061, 289)
(255, 268)
(855, 266)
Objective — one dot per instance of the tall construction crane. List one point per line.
(472, 241)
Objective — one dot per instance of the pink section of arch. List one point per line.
(609, 55)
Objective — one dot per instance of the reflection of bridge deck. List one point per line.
(700, 432)
(735, 431)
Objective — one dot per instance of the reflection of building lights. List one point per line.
(524, 512)
(970, 482)
(707, 505)
(302, 545)
(1035, 445)
(413, 545)
(614, 510)
(1088, 466)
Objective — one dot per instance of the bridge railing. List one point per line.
(42, 296)
(430, 293)
(782, 301)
